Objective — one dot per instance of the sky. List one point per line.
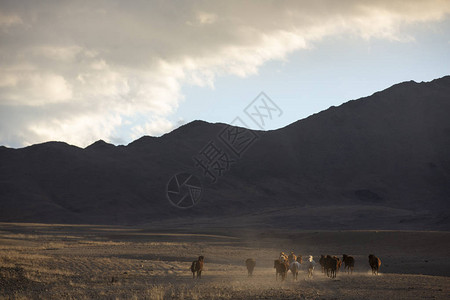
(80, 71)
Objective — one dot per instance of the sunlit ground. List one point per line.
(87, 262)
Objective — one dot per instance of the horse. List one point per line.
(197, 267)
(250, 263)
(291, 258)
(322, 263)
(349, 263)
(294, 267)
(280, 268)
(311, 266)
(375, 264)
(332, 265)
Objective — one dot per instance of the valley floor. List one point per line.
(39, 261)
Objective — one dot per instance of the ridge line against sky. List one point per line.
(78, 72)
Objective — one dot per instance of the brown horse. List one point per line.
(291, 258)
(349, 263)
(375, 263)
(322, 263)
(250, 263)
(197, 267)
(281, 268)
(332, 265)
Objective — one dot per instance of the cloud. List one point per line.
(206, 18)
(75, 70)
(155, 127)
(9, 20)
(33, 88)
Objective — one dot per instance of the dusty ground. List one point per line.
(104, 262)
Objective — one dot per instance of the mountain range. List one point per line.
(379, 162)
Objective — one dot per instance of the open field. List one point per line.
(109, 262)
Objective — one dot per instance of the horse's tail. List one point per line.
(193, 266)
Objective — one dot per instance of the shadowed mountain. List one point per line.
(380, 162)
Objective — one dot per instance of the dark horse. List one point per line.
(349, 263)
(250, 263)
(197, 267)
(375, 264)
(281, 268)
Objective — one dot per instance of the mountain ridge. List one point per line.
(384, 155)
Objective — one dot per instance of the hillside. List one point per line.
(379, 162)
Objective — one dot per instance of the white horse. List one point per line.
(311, 266)
(294, 267)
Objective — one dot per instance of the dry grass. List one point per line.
(82, 262)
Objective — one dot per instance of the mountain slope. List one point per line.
(377, 162)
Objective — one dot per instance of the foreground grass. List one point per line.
(81, 262)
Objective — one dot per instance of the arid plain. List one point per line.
(40, 261)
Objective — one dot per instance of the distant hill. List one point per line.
(379, 162)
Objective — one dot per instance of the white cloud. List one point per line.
(33, 88)
(8, 20)
(155, 127)
(206, 18)
(87, 66)
(64, 54)
(68, 129)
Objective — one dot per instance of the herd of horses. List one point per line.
(330, 265)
